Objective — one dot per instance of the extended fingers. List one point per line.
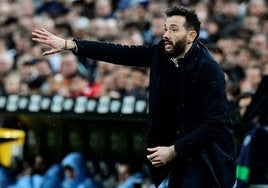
(39, 37)
(38, 34)
(43, 32)
(45, 37)
(48, 52)
(52, 51)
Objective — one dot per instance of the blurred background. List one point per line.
(64, 117)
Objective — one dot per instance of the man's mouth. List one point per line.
(168, 45)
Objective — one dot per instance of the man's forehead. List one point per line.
(175, 20)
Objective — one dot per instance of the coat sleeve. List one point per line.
(135, 55)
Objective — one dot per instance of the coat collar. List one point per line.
(190, 59)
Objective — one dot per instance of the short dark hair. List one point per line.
(192, 21)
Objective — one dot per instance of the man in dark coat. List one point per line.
(189, 133)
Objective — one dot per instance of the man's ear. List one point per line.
(191, 36)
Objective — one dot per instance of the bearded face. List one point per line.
(175, 49)
(177, 38)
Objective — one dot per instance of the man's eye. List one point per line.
(174, 30)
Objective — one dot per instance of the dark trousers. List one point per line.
(194, 174)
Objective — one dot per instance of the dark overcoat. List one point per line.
(188, 106)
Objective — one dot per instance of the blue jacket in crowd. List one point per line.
(82, 179)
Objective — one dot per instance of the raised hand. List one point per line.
(56, 43)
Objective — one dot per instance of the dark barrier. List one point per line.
(103, 107)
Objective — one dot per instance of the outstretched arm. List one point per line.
(135, 55)
(57, 44)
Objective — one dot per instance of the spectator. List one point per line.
(217, 52)
(13, 84)
(43, 66)
(140, 15)
(252, 79)
(35, 170)
(257, 8)
(98, 28)
(6, 178)
(103, 9)
(53, 177)
(229, 16)
(135, 84)
(55, 85)
(26, 69)
(128, 176)
(109, 88)
(155, 32)
(52, 8)
(6, 65)
(259, 42)
(80, 86)
(58, 83)
(70, 65)
(76, 173)
(265, 69)
(23, 44)
(241, 127)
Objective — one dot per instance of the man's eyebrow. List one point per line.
(171, 25)
(174, 25)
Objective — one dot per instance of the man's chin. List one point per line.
(169, 52)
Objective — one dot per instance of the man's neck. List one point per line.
(188, 46)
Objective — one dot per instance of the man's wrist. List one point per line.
(173, 151)
(70, 45)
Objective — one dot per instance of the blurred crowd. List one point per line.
(74, 171)
(236, 32)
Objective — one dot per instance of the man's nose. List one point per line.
(166, 35)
